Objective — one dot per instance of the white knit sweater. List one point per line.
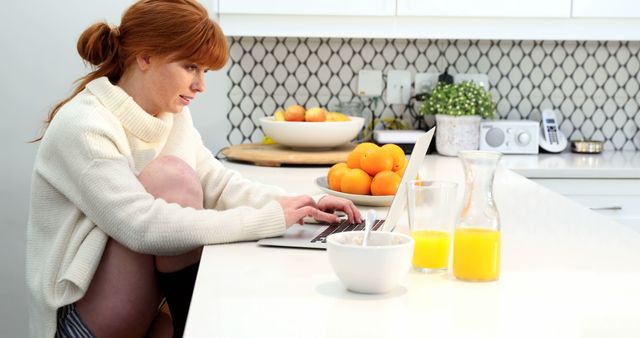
(84, 190)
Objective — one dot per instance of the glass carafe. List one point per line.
(476, 244)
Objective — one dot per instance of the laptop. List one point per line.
(313, 235)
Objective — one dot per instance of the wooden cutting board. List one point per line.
(274, 155)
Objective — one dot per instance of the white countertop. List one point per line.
(609, 164)
(566, 272)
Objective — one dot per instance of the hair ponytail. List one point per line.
(178, 28)
(98, 44)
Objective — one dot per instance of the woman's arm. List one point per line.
(89, 169)
(225, 189)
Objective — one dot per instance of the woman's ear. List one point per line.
(143, 60)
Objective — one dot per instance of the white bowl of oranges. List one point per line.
(371, 175)
(298, 127)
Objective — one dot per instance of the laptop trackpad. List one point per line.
(308, 231)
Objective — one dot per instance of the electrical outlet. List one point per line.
(370, 83)
(425, 82)
(398, 86)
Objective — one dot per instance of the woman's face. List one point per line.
(172, 85)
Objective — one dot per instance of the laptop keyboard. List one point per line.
(343, 226)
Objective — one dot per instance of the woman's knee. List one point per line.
(172, 179)
(179, 262)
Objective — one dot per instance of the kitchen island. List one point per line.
(566, 272)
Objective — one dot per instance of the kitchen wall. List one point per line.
(593, 85)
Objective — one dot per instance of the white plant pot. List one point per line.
(457, 133)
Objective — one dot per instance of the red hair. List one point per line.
(179, 29)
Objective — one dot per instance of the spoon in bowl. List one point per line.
(369, 218)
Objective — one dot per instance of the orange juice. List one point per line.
(476, 254)
(431, 249)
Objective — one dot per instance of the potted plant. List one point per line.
(458, 108)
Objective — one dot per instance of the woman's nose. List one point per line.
(198, 84)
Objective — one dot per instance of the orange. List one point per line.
(356, 181)
(334, 177)
(353, 160)
(385, 183)
(402, 168)
(398, 155)
(336, 166)
(376, 160)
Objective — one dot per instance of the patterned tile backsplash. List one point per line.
(594, 86)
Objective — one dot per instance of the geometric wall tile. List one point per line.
(593, 85)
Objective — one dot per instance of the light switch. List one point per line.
(398, 86)
(370, 83)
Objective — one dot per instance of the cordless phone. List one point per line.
(551, 138)
(549, 126)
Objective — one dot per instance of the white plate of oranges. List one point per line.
(370, 200)
(370, 176)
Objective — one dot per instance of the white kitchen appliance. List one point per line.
(551, 138)
(405, 139)
(510, 137)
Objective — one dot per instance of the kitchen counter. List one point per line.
(608, 164)
(566, 272)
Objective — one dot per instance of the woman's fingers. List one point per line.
(316, 213)
(320, 215)
(345, 205)
(352, 212)
(296, 208)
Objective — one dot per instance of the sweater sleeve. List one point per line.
(92, 173)
(225, 188)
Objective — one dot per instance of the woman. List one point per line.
(124, 194)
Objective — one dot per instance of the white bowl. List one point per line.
(376, 268)
(311, 134)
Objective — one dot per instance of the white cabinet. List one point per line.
(297, 7)
(295, 18)
(606, 9)
(485, 8)
(432, 19)
(618, 199)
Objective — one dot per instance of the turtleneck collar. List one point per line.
(137, 121)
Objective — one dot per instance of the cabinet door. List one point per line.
(298, 7)
(486, 8)
(606, 9)
(617, 199)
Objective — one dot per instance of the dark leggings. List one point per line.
(178, 288)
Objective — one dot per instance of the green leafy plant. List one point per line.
(458, 99)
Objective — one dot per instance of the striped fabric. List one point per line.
(70, 325)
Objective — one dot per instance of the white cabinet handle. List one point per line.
(607, 208)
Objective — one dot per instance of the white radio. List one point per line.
(510, 137)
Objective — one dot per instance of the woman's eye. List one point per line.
(192, 67)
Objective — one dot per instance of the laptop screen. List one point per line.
(413, 167)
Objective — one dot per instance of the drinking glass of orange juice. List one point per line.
(432, 214)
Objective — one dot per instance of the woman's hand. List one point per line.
(296, 208)
(330, 203)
